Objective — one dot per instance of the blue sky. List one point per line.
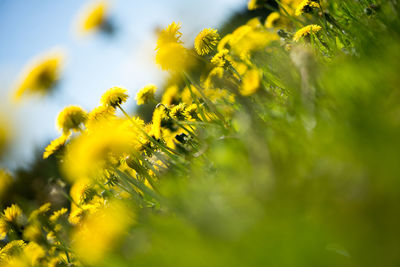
(29, 28)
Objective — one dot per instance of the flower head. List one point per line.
(55, 145)
(114, 96)
(250, 83)
(172, 57)
(273, 20)
(146, 94)
(205, 41)
(40, 76)
(171, 34)
(178, 112)
(71, 118)
(221, 58)
(306, 6)
(306, 32)
(92, 17)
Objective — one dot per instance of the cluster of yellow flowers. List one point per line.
(109, 158)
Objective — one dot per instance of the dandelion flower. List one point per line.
(146, 94)
(306, 32)
(71, 118)
(171, 95)
(11, 249)
(220, 58)
(172, 57)
(169, 35)
(55, 145)
(114, 97)
(307, 6)
(253, 4)
(273, 20)
(40, 76)
(57, 214)
(178, 112)
(13, 214)
(92, 17)
(205, 41)
(250, 83)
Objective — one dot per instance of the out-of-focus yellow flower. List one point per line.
(13, 214)
(55, 145)
(92, 17)
(114, 96)
(223, 42)
(171, 34)
(159, 114)
(290, 5)
(10, 250)
(146, 94)
(71, 118)
(172, 57)
(254, 4)
(250, 83)
(221, 58)
(99, 116)
(41, 75)
(306, 32)
(307, 6)
(33, 253)
(39, 212)
(245, 40)
(101, 231)
(205, 41)
(5, 181)
(57, 214)
(90, 154)
(171, 95)
(275, 20)
(178, 112)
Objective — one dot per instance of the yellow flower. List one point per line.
(99, 232)
(9, 219)
(171, 34)
(55, 145)
(205, 41)
(40, 76)
(172, 57)
(13, 214)
(99, 115)
(33, 253)
(11, 249)
(223, 42)
(191, 112)
(146, 94)
(306, 32)
(57, 214)
(178, 112)
(33, 232)
(92, 153)
(39, 212)
(170, 96)
(114, 96)
(221, 58)
(159, 115)
(254, 4)
(307, 6)
(250, 83)
(92, 17)
(274, 20)
(71, 118)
